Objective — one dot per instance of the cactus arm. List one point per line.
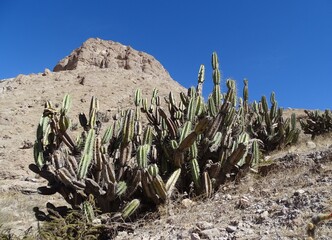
(201, 76)
(130, 208)
(207, 184)
(170, 124)
(38, 155)
(159, 187)
(87, 155)
(172, 180)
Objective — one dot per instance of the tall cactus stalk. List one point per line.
(201, 78)
(216, 80)
(87, 155)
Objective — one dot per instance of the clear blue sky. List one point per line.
(282, 45)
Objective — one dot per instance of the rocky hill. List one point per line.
(99, 54)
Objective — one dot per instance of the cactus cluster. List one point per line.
(317, 122)
(204, 141)
(93, 165)
(269, 126)
(190, 145)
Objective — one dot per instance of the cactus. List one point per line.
(87, 155)
(88, 208)
(216, 94)
(269, 126)
(170, 184)
(138, 97)
(108, 135)
(317, 122)
(130, 208)
(195, 172)
(208, 190)
(142, 156)
(190, 145)
(201, 78)
(128, 127)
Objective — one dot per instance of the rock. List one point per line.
(311, 144)
(46, 72)
(228, 197)
(179, 235)
(266, 237)
(216, 196)
(212, 233)
(243, 202)
(29, 191)
(231, 229)
(187, 203)
(96, 221)
(96, 53)
(267, 157)
(299, 192)
(122, 235)
(194, 236)
(235, 222)
(264, 215)
(29, 179)
(204, 225)
(297, 222)
(26, 144)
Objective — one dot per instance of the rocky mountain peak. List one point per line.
(97, 53)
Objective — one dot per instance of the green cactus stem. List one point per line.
(171, 182)
(207, 184)
(87, 155)
(201, 77)
(130, 208)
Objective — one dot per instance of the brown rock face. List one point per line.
(98, 53)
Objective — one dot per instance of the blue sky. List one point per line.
(283, 46)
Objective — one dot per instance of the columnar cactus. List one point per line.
(191, 145)
(205, 140)
(269, 126)
(317, 122)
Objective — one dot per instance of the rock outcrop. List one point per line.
(98, 53)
